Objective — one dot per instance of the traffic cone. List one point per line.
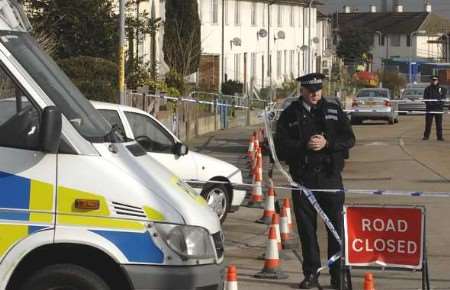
(269, 208)
(272, 266)
(276, 225)
(251, 149)
(231, 281)
(286, 239)
(256, 199)
(369, 281)
(287, 205)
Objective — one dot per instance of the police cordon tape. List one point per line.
(346, 191)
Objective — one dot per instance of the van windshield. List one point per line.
(58, 87)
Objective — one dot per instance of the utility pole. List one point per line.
(223, 45)
(121, 77)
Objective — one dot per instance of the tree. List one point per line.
(81, 27)
(95, 77)
(182, 36)
(355, 44)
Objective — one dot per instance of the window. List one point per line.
(253, 65)
(408, 40)
(264, 15)
(254, 13)
(270, 15)
(215, 11)
(291, 61)
(291, 16)
(237, 67)
(280, 16)
(279, 60)
(152, 136)
(300, 16)
(19, 119)
(225, 4)
(395, 40)
(381, 38)
(237, 12)
(113, 118)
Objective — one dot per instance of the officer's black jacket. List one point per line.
(434, 93)
(291, 145)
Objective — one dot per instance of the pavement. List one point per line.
(385, 157)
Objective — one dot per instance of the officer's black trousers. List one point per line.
(306, 216)
(429, 122)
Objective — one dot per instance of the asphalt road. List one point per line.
(386, 157)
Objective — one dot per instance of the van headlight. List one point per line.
(187, 241)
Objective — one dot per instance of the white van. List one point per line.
(191, 166)
(80, 207)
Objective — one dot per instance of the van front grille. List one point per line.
(218, 243)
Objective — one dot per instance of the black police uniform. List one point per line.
(434, 92)
(318, 170)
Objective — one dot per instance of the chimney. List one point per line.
(347, 9)
(373, 8)
(428, 8)
(398, 9)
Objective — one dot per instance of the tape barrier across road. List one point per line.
(386, 192)
(194, 101)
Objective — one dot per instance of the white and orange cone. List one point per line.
(276, 225)
(231, 281)
(251, 149)
(256, 199)
(287, 205)
(269, 208)
(272, 265)
(285, 232)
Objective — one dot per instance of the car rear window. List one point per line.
(373, 94)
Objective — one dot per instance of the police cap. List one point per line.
(312, 82)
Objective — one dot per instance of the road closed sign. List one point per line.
(384, 236)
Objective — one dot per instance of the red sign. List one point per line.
(385, 236)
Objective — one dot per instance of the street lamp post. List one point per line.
(121, 77)
(309, 34)
(223, 45)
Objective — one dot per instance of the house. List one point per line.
(399, 36)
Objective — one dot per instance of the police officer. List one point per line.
(434, 108)
(314, 137)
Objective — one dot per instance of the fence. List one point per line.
(198, 113)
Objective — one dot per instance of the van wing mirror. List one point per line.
(51, 128)
(181, 149)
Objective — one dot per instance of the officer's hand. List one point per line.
(317, 142)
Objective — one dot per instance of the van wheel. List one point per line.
(218, 199)
(391, 121)
(64, 277)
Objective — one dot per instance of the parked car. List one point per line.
(410, 100)
(374, 104)
(191, 166)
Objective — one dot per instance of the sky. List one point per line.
(441, 7)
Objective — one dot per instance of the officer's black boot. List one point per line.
(311, 281)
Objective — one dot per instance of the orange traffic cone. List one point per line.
(251, 149)
(256, 200)
(269, 208)
(272, 265)
(276, 225)
(231, 281)
(287, 205)
(286, 239)
(369, 281)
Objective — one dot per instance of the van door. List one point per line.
(27, 175)
(160, 144)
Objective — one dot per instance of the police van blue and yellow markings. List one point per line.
(28, 205)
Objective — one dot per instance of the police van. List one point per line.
(82, 208)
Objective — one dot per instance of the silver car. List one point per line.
(374, 104)
(410, 100)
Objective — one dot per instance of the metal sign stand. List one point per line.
(345, 271)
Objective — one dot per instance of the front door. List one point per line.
(27, 175)
(160, 145)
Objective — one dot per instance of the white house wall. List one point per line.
(287, 58)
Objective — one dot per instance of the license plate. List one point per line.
(371, 104)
